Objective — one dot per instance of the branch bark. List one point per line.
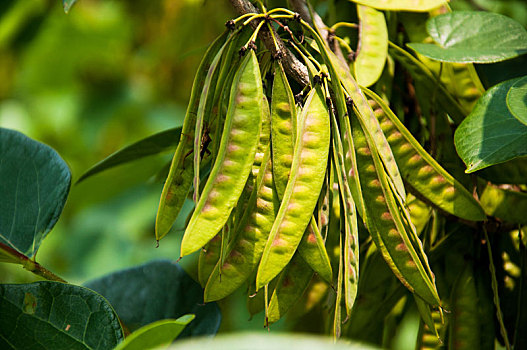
(292, 65)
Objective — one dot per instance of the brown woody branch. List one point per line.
(292, 65)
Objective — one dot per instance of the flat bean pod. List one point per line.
(313, 251)
(302, 191)
(373, 46)
(292, 283)
(464, 321)
(362, 109)
(283, 126)
(208, 258)
(422, 172)
(498, 202)
(350, 250)
(428, 339)
(385, 225)
(181, 170)
(245, 251)
(403, 5)
(203, 115)
(235, 157)
(315, 293)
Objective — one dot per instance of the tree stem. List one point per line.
(292, 65)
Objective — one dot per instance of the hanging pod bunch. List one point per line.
(284, 177)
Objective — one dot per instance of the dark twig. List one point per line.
(292, 65)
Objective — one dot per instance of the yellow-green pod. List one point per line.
(373, 46)
(283, 125)
(401, 249)
(363, 110)
(234, 160)
(181, 171)
(420, 212)
(427, 339)
(403, 5)
(208, 258)
(422, 172)
(302, 191)
(507, 205)
(244, 252)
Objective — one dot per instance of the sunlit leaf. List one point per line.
(517, 100)
(480, 37)
(53, 315)
(155, 334)
(158, 290)
(259, 341)
(491, 134)
(148, 146)
(34, 184)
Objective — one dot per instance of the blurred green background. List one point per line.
(88, 83)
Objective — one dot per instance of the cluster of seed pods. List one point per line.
(289, 179)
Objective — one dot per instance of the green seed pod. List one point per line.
(464, 320)
(283, 125)
(498, 202)
(401, 250)
(373, 47)
(422, 172)
(208, 258)
(181, 174)
(235, 157)
(245, 251)
(290, 286)
(302, 191)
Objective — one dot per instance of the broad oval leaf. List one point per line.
(158, 290)
(403, 5)
(148, 146)
(490, 134)
(34, 184)
(259, 341)
(373, 49)
(53, 315)
(517, 100)
(155, 334)
(479, 37)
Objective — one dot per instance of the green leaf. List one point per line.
(480, 37)
(53, 315)
(259, 341)
(158, 290)
(517, 100)
(67, 4)
(148, 146)
(155, 334)
(490, 134)
(403, 5)
(34, 184)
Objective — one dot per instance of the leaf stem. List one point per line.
(30, 265)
